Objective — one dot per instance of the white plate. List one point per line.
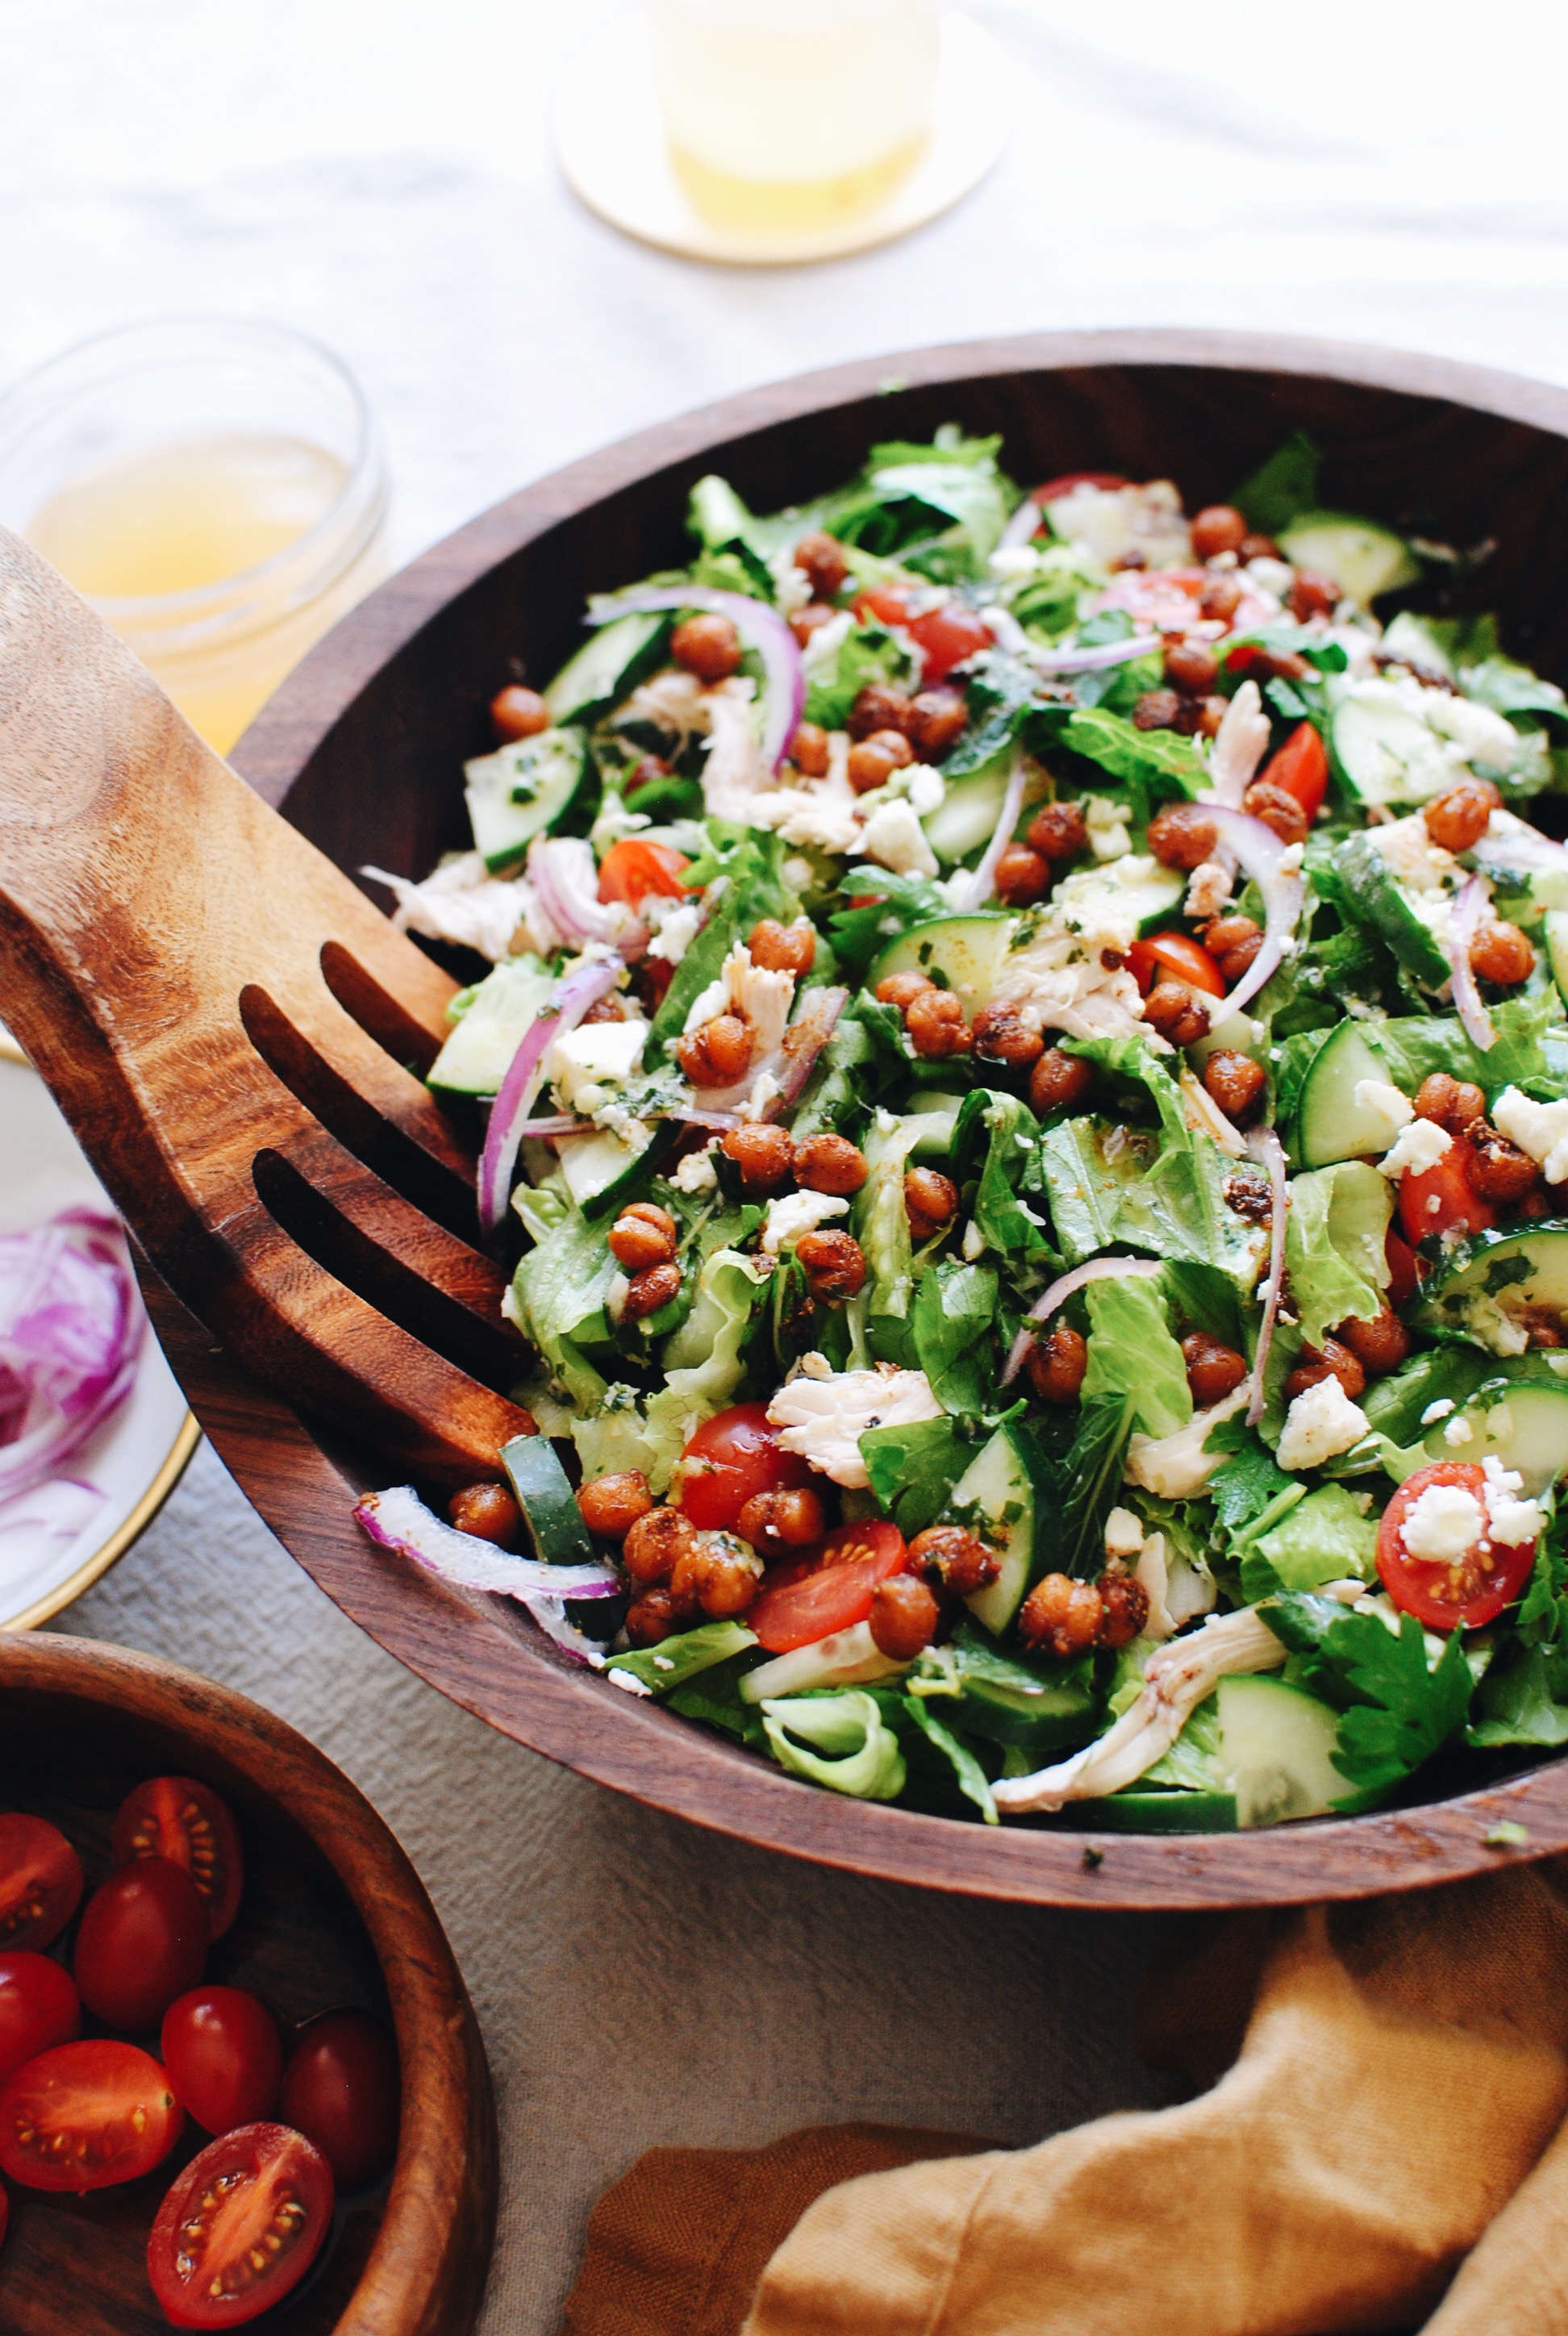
(609, 136)
(137, 1457)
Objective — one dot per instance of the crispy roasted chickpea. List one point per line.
(901, 990)
(1497, 1169)
(642, 1235)
(1236, 1083)
(935, 1022)
(1157, 709)
(1191, 667)
(1180, 836)
(719, 1573)
(1232, 942)
(605, 1009)
(1177, 1014)
(1218, 527)
(810, 619)
(1452, 1103)
(833, 1263)
(809, 751)
(1501, 954)
(1250, 1195)
(772, 1522)
(877, 708)
(648, 1290)
(1061, 1615)
(518, 713)
(654, 1542)
(830, 1163)
(488, 1511)
(930, 1201)
(872, 762)
(612, 1504)
(654, 1616)
(764, 1155)
(1313, 595)
(951, 1558)
(1220, 596)
(717, 1054)
(1459, 819)
(1213, 1370)
(1379, 1345)
(1058, 831)
(1002, 1035)
(1211, 713)
(1278, 809)
(1056, 1363)
(936, 721)
(1060, 1081)
(1022, 877)
(1256, 546)
(1330, 1361)
(903, 1618)
(707, 646)
(784, 948)
(1123, 1605)
(822, 558)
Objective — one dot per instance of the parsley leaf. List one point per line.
(1394, 1712)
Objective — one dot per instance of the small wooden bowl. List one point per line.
(332, 1914)
(362, 750)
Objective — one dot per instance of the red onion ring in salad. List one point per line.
(399, 1520)
(509, 1115)
(1096, 658)
(1265, 1148)
(1472, 898)
(762, 628)
(561, 870)
(1096, 1269)
(71, 1330)
(1259, 851)
(561, 1123)
(983, 882)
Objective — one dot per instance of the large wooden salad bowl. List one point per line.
(362, 749)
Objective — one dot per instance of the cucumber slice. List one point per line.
(966, 818)
(607, 667)
(1042, 1707)
(964, 954)
(1331, 1124)
(1478, 1293)
(1275, 1744)
(1138, 1811)
(478, 1054)
(515, 793)
(1411, 922)
(1364, 559)
(549, 1504)
(1154, 895)
(999, 1489)
(1524, 1421)
(1557, 948)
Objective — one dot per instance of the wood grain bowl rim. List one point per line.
(576, 1718)
(426, 2269)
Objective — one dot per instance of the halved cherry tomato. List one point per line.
(1300, 767)
(836, 1594)
(239, 2226)
(341, 2088)
(1178, 954)
(40, 1882)
(945, 633)
(186, 1822)
(1446, 1596)
(732, 1456)
(142, 1940)
(1404, 1269)
(83, 2116)
(39, 2008)
(224, 2056)
(1439, 1200)
(633, 869)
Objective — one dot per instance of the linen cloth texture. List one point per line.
(1390, 2079)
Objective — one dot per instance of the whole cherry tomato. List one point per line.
(186, 1822)
(1177, 954)
(1300, 767)
(836, 1594)
(341, 2088)
(224, 2056)
(1444, 1593)
(239, 2226)
(83, 2116)
(732, 1456)
(634, 868)
(1439, 1200)
(945, 633)
(39, 2008)
(142, 1940)
(40, 1880)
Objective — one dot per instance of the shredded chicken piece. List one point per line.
(1240, 746)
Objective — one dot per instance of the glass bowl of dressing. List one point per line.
(216, 491)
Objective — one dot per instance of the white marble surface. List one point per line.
(382, 177)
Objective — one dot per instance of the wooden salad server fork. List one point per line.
(229, 1026)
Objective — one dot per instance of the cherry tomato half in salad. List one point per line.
(40, 1880)
(186, 1822)
(733, 1457)
(142, 1941)
(39, 2008)
(239, 2226)
(1447, 1595)
(633, 869)
(836, 1594)
(1177, 954)
(1404, 1270)
(341, 2088)
(1439, 1200)
(945, 635)
(1300, 767)
(224, 2056)
(83, 2116)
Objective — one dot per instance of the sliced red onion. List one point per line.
(565, 880)
(1094, 659)
(1264, 1147)
(1473, 897)
(983, 882)
(1024, 525)
(560, 1124)
(1097, 1269)
(762, 628)
(1259, 851)
(398, 1519)
(510, 1114)
(1519, 847)
(789, 1065)
(71, 1330)
(723, 1121)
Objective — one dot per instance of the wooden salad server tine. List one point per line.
(226, 1021)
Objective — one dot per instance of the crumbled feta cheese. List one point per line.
(1396, 1110)
(794, 1213)
(1409, 853)
(628, 1681)
(1109, 838)
(1123, 1533)
(1111, 521)
(587, 1063)
(1420, 1145)
(1291, 860)
(925, 788)
(1275, 576)
(974, 1242)
(675, 924)
(696, 1173)
(894, 838)
(1177, 1467)
(1010, 562)
(1436, 1411)
(1442, 1523)
(1510, 1520)
(824, 1419)
(1458, 1432)
(615, 1296)
(819, 656)
(1208, 889)
(765, 1090)
(1320, 1423)
(1540, 1129)
(799, 874)
(1069, 972)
